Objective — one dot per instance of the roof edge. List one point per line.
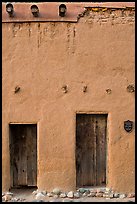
(49, 11)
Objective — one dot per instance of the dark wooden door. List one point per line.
(23, 155)
(91, 149)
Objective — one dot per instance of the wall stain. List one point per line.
(45, 30)
(39, 35)
(74, 35)
(29, 28)
(52, 33)
(74, 32)
(15, 28)
(68, 37)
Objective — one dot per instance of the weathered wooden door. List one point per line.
(91, 149)
(23, 155)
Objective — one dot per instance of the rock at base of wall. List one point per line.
(131, 195)
(91, 194)
(40, 196)
(122, 195)
(76, 195)
(116, 195)
(70, 194)
(99, 194)
(63, 195)
(7, 197)
(56, 191)
(50, 194)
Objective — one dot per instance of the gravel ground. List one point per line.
(25, 195)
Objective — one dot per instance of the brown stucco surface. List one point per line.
(41, 57)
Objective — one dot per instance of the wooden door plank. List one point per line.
(15, 156)
(34, 156)
(31, 155)
(93, 123)
(11, 156)
(101, 149)
(22, 162)
(18, 156)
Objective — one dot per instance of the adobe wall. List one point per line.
(97, 51)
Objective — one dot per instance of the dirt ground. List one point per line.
(25, 195)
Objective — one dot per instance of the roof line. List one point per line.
(48, 11)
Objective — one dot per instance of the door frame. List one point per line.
(22, 123)
(107, 138)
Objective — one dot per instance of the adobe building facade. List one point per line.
(66, 80)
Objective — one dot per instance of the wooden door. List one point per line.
(23, 155)
(91, 149)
